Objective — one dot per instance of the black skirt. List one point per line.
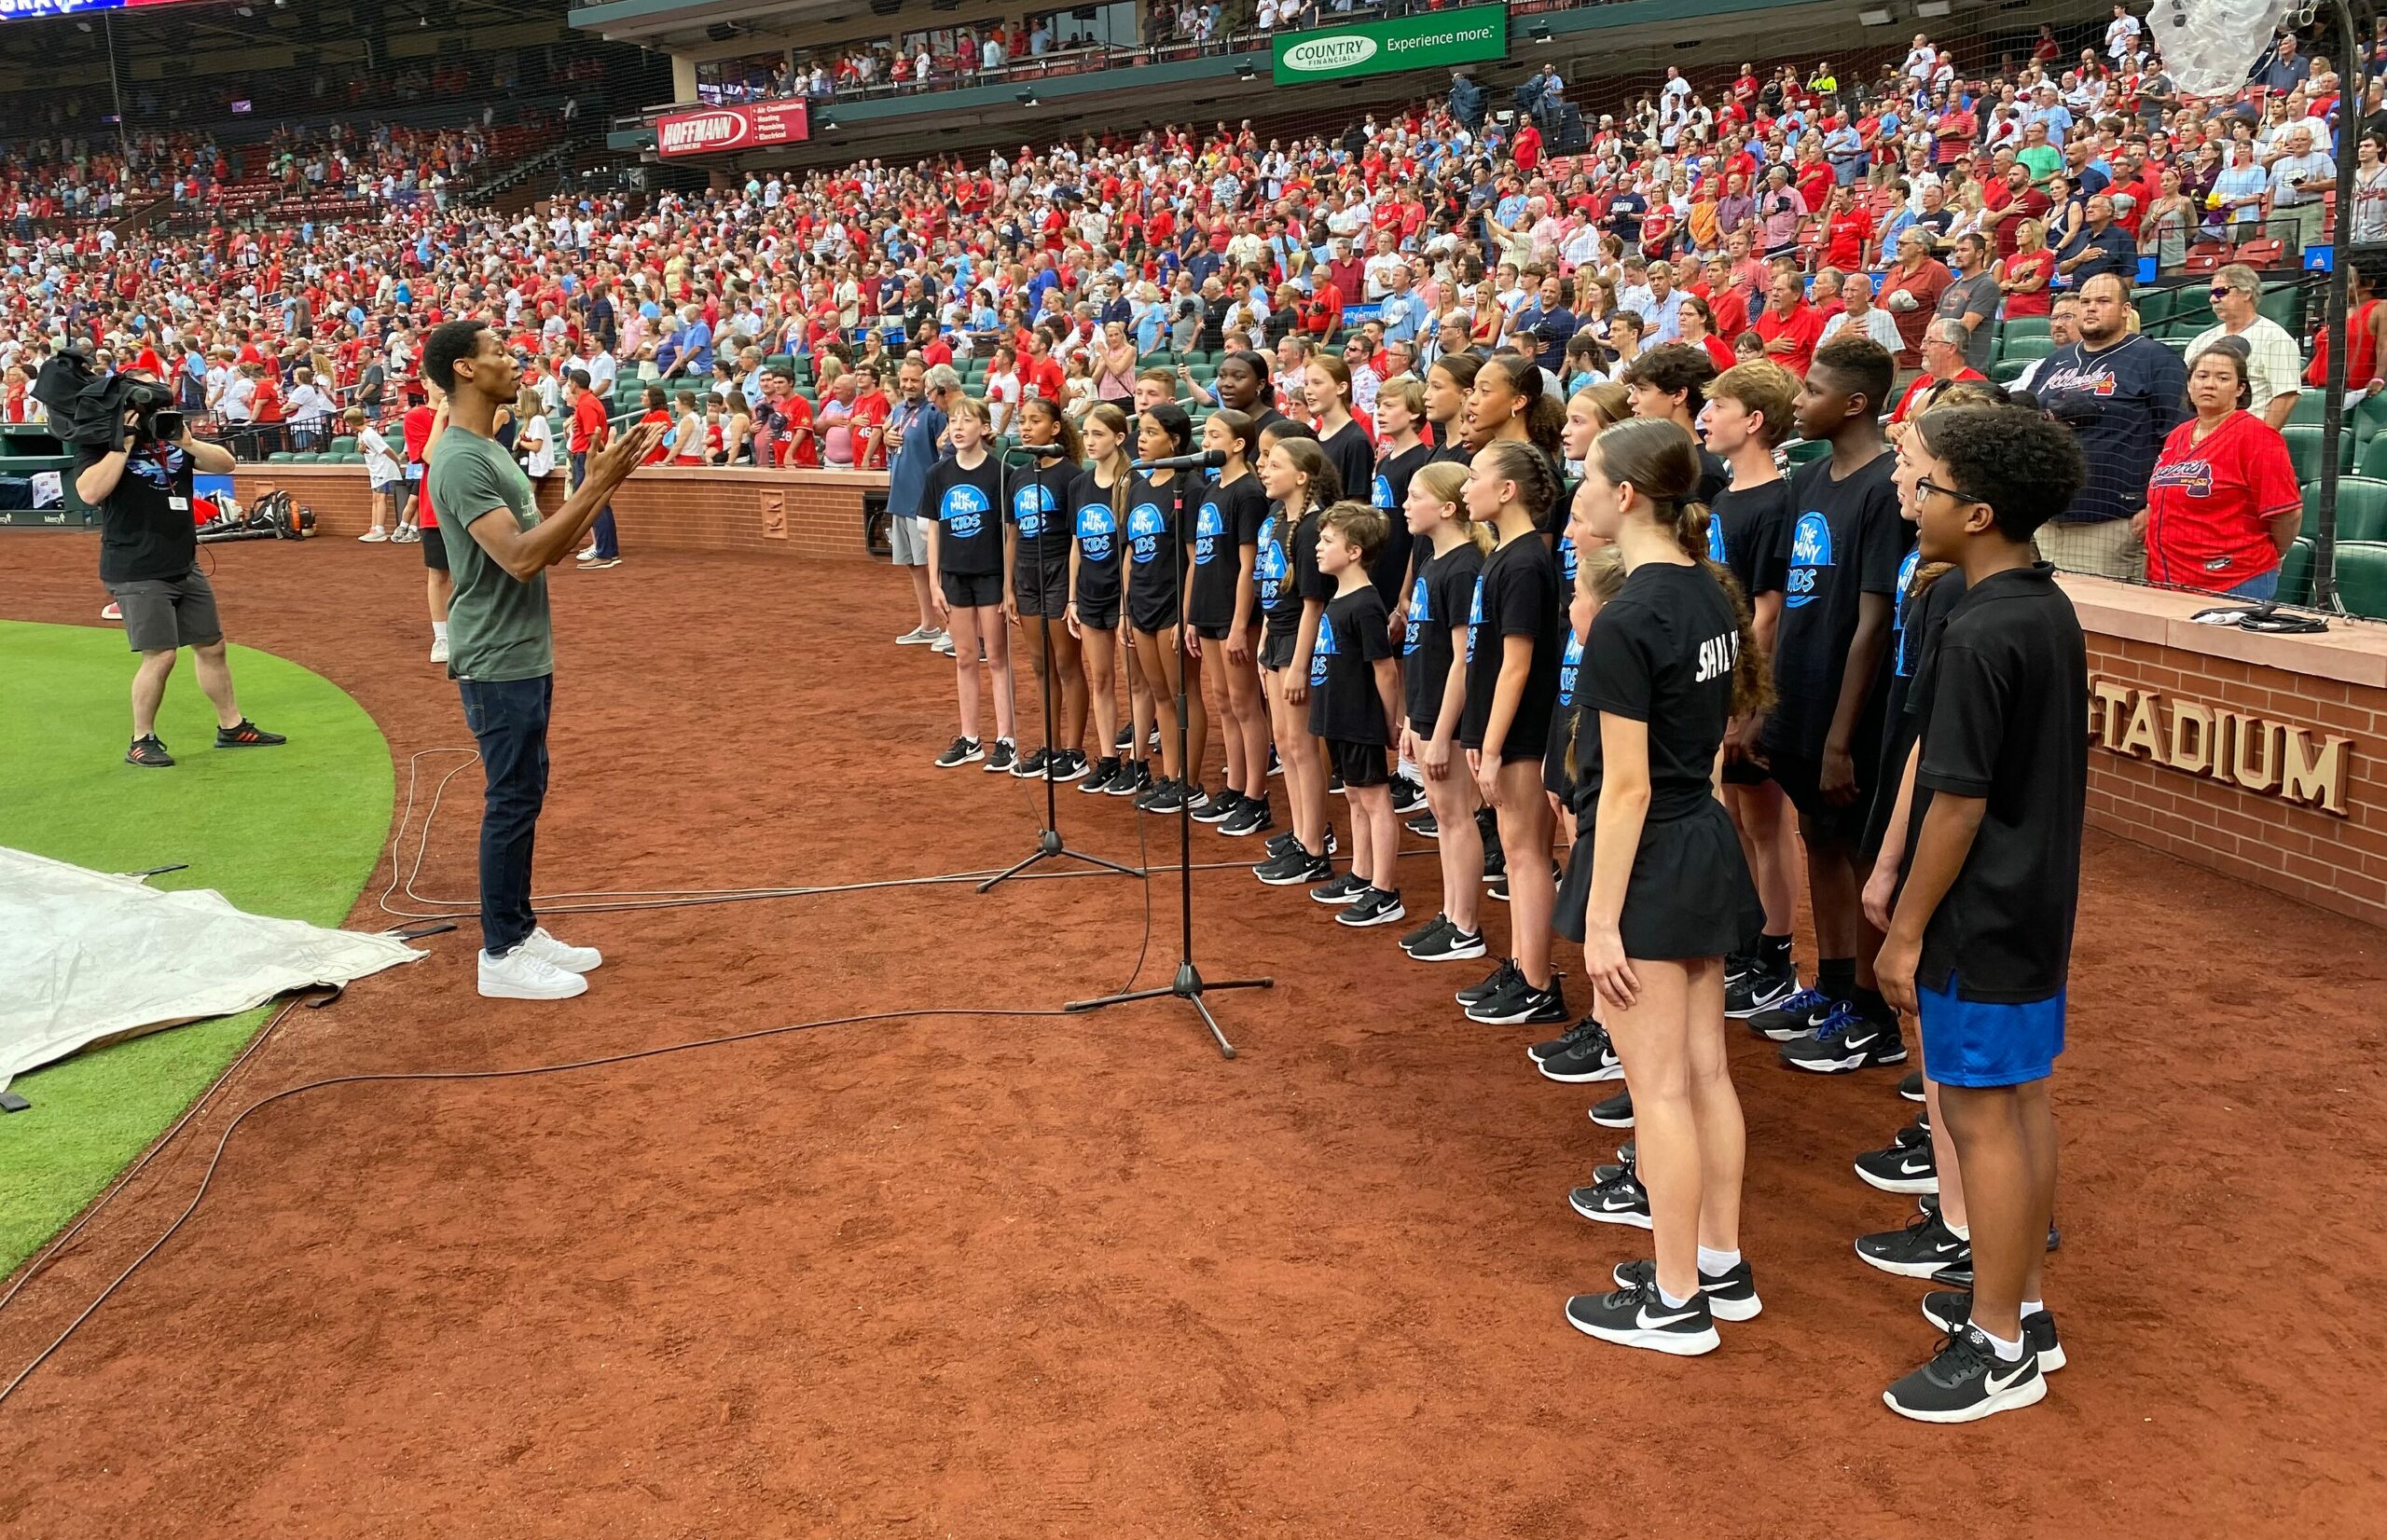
(1689, 895)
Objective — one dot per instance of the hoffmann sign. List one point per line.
(741, 128)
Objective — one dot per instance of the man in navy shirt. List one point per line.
(2120, 394)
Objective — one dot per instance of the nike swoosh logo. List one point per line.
(2021, 1367)
(1913, 1167)
(1943, 1247)
(1649, 1323)
(1866, 1041)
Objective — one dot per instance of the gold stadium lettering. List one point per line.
(2280, 759)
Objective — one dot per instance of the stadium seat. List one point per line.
(280, 457)
(2309, 406)
(2155, 307)
(2295, 573)
(2024, 348)
(2262, 252)
(2362, 579)
(2304, 449)
(2205, 256)
(2005, 371)
(2284, 304)
(1798, 451)
(2368, 414)
(2024, 325)
(343, 447)
(2361, 508)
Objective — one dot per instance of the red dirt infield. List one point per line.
(1076, 1276)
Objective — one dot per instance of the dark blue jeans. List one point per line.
(607, 550)
(509, 720)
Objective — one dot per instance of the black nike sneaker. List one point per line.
(1251, 817)
(1616, 1112)
(1217, 810)
(1639, 1317)
(1730, 1294)
(1795, 1017)
(1965, 1382)
(1097, 782)
(1619, 1201)
(963, 751)
(1844, 1043)
(1592, 1060)
(1905, 1165)
(1951, 1310)
(1497, 980)
(1567, 1041)
(1925, 1246)
(1032, 764)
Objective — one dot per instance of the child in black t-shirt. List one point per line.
(963, 502)
(1038, 532)
(1659, 892)
(1223, 611)
(1980, 942)
(1450, 552)
(1748, 414)
(1302, 483)
(1842, 546)
(1512, 650)
(1355, 708)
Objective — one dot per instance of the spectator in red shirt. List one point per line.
(1788, 325)
(590, 431)
(871, 410)
(1943, 364)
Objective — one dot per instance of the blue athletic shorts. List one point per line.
(1976, 1043)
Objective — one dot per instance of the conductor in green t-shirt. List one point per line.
(501, 651)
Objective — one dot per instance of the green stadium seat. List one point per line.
(2374, 456)
(2295, 573)
(2024, 325)
(2304, 451)
(343, 447)
(2368, 414)
(2191, 311)
(779, 360)
(2155, 307)
(2005, 371)
(2284, 304)
(2309, 406)
(2362, 509)
(1798, 451)
(2362, 579)
(280, 457)
(2026, 348)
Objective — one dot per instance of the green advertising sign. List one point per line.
(1432, 40)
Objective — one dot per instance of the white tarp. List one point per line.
(87, 955)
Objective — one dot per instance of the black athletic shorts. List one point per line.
(1359, 764)
(434, 548)
(1276, 650)
(1801, 779)
(1098, 615)
(972, 590)
(1689, 895)
(1040, 594)
(1745, 772)
(1211, 633)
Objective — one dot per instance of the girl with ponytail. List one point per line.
(1301, 483)
(1098, 510)
(1512, 399)
(1512, 664)
(1656, 889)
(1449, 384)
(1450, 550)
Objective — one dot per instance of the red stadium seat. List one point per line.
(2205, 256)
(2262, 252)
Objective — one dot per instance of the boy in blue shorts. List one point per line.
(1979, 942)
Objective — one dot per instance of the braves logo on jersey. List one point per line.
(1097, 531)
(2193, 478)
(1810, 559)
(1145, 524)
(1209, 525)
(1028, 507)
(963, 511)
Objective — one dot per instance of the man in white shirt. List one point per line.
(1857, 296)
(311, 411)
(2274, 365)
(603, 369)
(2121, 33)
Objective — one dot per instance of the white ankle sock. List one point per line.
(1670, 1302)
(1962, 1232)
(2032, 1307)
(1712, 1261)
(2010, 1352)
(439, 630)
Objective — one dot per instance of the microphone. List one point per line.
(1208, 459)
(1039, 451)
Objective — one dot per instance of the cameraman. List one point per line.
(149, 562)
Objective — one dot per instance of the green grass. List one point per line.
(294, 831)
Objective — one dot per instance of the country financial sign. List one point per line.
(1428, 41)
(717, 130)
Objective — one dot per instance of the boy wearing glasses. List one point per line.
(1979, 941)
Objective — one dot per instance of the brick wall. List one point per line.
(814, 516)
(2293, 711)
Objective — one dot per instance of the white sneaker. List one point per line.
(589, 555)
(439, 649)
(374, 537)
(918, 636)
(521, 974)
(571, 959)
(112, 611)
(944, 644)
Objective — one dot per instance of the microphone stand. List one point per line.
(1048, 839)
(1189, 985)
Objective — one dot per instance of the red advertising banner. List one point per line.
(716, 130)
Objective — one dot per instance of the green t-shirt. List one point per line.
(2044, 160)
(497, 623)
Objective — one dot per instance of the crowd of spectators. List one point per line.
(1795, 206)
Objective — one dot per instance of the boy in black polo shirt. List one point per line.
(1981, 940)
(1842, 544)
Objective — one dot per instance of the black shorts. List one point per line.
(1098, 614)
(1153, 612)
(1689, 895)
(434, 548)
(1745, 772)
(1801, 779)
(1041, 594)
(1211, 633)
(1359, 764)
(972, 590)
(1276, 649)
